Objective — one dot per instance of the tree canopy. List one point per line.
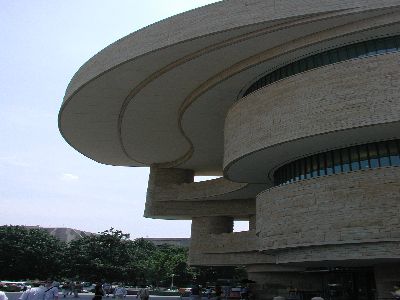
(28, 253)
(109, 255)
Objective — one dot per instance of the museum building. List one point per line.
(294, 104)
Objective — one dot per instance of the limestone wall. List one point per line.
(324, 108)
(172, 194)
(213, 243)
(235, 242)
(219, 188)
(349, 208)
(185, 210)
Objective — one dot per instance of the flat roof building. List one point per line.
(295, 104)
(179, 242)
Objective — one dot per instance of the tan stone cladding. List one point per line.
(167, 177)
(210, 189)
(356, 207)
(229, 259)
(339, 97)
(234, 242)
(202, 227)
(364, 253)
(206, 21)
(213, 243)
(171, 193)
(185, 210)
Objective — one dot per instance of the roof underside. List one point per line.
(160, 95)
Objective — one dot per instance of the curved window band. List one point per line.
(367, 156)
(362, 49)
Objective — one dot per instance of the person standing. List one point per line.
(77, 289)
(396, 293)
(244, 293)
(195, 293)
(218, 292)
(66, 288)
(227, 290)
(208, 292)
(120, 291)
(34, 293)
(3, 296)
(51, 290)
(143, 293)
(98, 292)
(107, 288)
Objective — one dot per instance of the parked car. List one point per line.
(13, 286)
(185, 292)
(131, 290)
(235, 293)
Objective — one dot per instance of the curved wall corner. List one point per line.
(213, 243)
(360, 254)
(359, 207)
(172, 194)
(186, 210)
(355, 101)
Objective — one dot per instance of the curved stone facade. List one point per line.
(172, 194)
(338, 209)
(170, 97)
(327, 105)
(363, 253)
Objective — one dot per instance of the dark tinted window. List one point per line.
(352, 158)
(358, 50)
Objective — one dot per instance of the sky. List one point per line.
(43, 181)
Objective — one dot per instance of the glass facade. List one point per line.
(368, 156)
(362, 49)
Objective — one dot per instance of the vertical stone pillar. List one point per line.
(202, 227)
(386, 277)
(212, 225)
(252, 222)
(159, 179)
(165, 177)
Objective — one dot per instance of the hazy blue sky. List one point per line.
(43, 180)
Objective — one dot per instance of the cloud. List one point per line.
(69, 177)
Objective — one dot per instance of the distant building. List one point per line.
(294, 103)
(181, 242)
(70, 234)
(63, 234)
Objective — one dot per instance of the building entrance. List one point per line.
(349, 284)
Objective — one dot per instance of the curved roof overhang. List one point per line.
(159, 96)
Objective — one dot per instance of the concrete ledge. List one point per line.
(362, 254)
(234, 242)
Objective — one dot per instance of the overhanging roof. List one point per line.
(160, 95)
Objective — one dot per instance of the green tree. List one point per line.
(109, 255)
(164, 262)
(140, 251)
(29, 253)
(103, 256)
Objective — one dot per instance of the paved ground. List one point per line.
(15, 296)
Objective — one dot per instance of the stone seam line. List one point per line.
(151, 77)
